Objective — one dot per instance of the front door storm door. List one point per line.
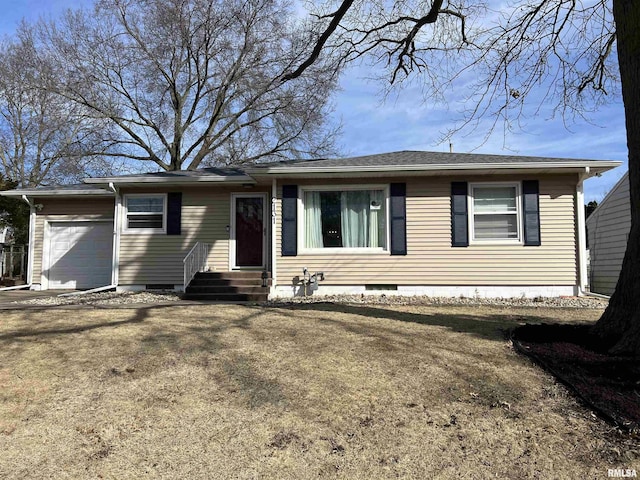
(249, 231)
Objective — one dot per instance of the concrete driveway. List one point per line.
(9, 296)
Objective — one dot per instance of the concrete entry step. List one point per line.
(229, 286)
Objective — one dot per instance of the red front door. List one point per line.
(249, 231)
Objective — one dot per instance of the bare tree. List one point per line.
(571, 54)
(556, 52)
(43, 137)
(188, 83)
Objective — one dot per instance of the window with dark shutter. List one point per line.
(353, 217)
(495, 214)
(145, 213)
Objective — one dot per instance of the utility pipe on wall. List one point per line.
(115, 258)
(580, 234)
(274, 252)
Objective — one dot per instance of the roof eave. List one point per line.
(56, 193)
(132, 181)
(594, 166)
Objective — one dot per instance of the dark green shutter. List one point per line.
(531, 212)
(174, 213)
(398, 215)
(459, 215)
(289, 220)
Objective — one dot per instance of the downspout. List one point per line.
(274, 196)
(115, 262)
(582, 245)
(31, 249)
(115, 255)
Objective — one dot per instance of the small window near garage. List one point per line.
(495, 212)
(145, 213)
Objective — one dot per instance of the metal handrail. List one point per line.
(195, 261)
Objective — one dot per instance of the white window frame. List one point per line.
(125, 205)
(472, 214)
(342, 250)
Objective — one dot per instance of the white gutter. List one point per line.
(175, 181)
(580, 234)
(32, 237)
(98, 192)
(274, 253)
(439, 167)
(32, 232)
(15, 287)
(85, 292)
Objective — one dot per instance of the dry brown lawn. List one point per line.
(348, 391)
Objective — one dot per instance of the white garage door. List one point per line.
(80, 254)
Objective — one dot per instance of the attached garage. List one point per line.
(79, 254)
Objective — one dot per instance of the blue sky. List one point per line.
(404, 122)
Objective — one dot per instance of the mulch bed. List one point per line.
(610, 385)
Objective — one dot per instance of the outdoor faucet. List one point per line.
(310, 280)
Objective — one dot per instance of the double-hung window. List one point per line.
(145, 213)
(344, 218)
(495, 212)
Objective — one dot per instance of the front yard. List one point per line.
(307, 391)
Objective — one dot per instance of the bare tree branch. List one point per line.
(175, 76)
(336, 18)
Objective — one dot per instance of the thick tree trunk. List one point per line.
(619, 326)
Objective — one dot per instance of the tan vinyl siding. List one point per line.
(608, 230)
(157, 258)
(66, 209)
(431, 260)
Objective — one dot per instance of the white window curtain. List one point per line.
(376, 213)
(354, 208)
(312, 220)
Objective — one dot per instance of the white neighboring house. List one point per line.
(608, 231)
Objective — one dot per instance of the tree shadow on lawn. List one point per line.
(492, 326)
(159, 340)
(608, 384)
(203, 336)
(140, 316)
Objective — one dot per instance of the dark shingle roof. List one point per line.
(75, 187)
(202, 172)
(412, 158)
(210, 174)
(393, 163)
